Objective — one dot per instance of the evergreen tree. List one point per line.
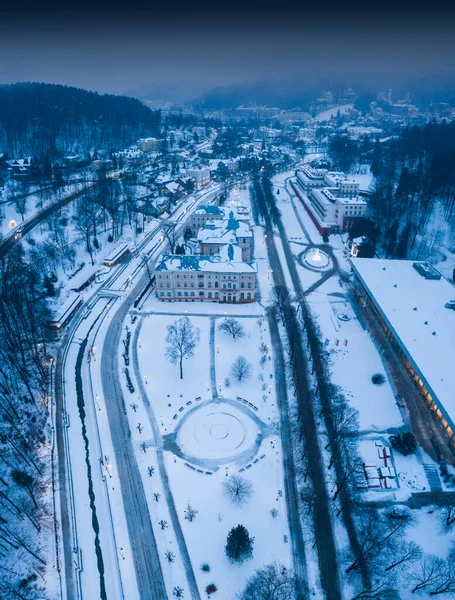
(239, 544)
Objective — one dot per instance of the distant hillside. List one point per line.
(280, 93)
(38, 119)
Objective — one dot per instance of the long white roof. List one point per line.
(415, 309)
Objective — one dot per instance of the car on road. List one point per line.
(18, 233)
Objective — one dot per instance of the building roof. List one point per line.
(227, 232)
(209, 210)
(210, 264)
(413, 306)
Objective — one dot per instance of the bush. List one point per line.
(211, 588)
(205, 567)
(110, 238)
(404, 443)
(378, 379)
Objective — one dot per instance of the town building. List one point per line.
(200, 174)
(221, 278)
(150, 144)
(208, 214)
(331, 199)
(213, 237)
(415, 306)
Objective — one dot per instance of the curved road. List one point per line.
(8, 242)
(147, 563)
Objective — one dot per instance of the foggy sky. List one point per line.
(114, 48)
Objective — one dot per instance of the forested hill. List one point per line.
(38, 119)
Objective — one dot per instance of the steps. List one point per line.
(433, 477)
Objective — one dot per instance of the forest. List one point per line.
(38, 119)
(26, 519)
(413, 186)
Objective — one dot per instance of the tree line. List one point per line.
(38, 119)
(25, 517)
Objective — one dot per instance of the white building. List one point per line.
(216, 235)
(221, 278)
(415, 306)
(331, 198)
(149, 144)
(200, 174)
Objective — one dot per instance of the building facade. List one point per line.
(222, 278)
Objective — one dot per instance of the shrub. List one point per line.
(205, 567)
(404, 443)
(211, 588)
(110, 238)
(378, 379)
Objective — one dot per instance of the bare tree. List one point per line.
(232, 327)
(241, 369)
(272, 581)
(238, 489)
(427, 573)
(169, 556)
(145, 262)
(182, 338)
(190, 513)
(404, 554)
(446, 515)
(163, 524)
(177, 592)
(170, 233)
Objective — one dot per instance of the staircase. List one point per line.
(433, 477)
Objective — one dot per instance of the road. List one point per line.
(147, 564)
(323, 526)
(291, 492)
(9, 242)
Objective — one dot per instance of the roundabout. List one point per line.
(217, 432)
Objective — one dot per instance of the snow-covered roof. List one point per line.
(227, 232)
(209, 210)
(414, 308)
(211, 264)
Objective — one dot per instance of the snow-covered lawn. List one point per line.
(354, 359)
(216, 437)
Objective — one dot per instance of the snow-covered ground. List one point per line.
(217, 435)
(326, 115)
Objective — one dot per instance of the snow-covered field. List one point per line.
(217, 435)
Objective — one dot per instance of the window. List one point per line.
(234, 286)
(229, 286)
(242, 296)
(210, 294)
(249, 285)
(201, 293)
(169, 294)
(179, 294)
(242, 285)
(249, 296)
(192, 293)
(168, 285)
(162, 294)
(224, 286)
(186, 294)
(217, 295)
(216, 284)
